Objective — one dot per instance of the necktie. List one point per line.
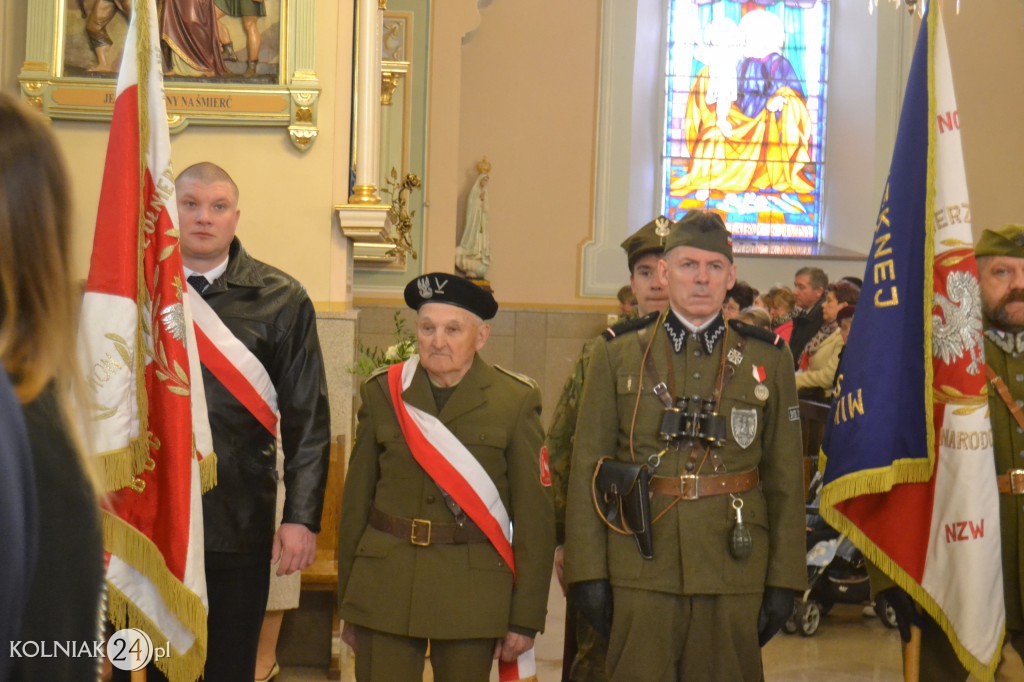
(199, 283)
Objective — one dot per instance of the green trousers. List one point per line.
(940, 664)
(659, 637)
(382, 657)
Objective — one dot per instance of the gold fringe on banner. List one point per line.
(119, 468)
(139, 552)
(208, 472)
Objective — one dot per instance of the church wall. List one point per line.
(529, 98)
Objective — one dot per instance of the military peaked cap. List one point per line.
(442, 287)
(1008, 240)
(701, 230)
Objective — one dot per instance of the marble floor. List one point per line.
(848, 646)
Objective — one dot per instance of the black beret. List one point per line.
(442, 287)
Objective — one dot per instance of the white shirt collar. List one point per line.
(210, 275)
(690, 326)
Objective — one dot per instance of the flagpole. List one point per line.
(912, 656)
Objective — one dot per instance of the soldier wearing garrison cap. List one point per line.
(420, 559)
(583, 660)
(709, 412)
(1000, 255)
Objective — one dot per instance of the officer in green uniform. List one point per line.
(1000, 256)
(711, 411)
(416, 565)
(585, 648)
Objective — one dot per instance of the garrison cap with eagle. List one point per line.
(648, 239)
(442, 287)
(1007, 240)
(702, 230)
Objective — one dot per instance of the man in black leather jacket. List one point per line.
(271, 314)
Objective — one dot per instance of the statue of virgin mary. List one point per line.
(473, 254)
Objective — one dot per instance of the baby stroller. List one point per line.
(836, 574)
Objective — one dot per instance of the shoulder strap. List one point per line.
(1004, 393)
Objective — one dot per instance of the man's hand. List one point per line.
(776, 608)
(560, 566)
(512, 646)
(593, 600)
(348, 635)
(294, 547)
(904, 607)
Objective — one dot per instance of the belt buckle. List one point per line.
(1016, 477)
(414, 535)
(689, 488)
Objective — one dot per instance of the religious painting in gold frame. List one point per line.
(73, 48)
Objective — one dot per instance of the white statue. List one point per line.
(473, 254)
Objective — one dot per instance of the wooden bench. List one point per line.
(322, 575)
(813, 416)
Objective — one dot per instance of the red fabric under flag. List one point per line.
(909, 473)
(137, 344)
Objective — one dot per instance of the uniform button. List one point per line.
(696, 353)
(1015, 355)
(1021, 453)
(482, 437)
(1020, 377)
(430, 499)
(1020, 430)
(1020, 403)
(696, 375)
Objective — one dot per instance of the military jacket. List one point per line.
(446, 591)
(559, 441)
(1004, 353)
(691, 541)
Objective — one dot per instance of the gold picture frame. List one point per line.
(64, 78)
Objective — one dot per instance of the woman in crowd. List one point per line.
(37, 349)
(780, 302)
(820, 358)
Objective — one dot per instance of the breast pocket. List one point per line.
(487, 443)
(744, 422)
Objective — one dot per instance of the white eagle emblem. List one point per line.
(958, 329)
(173, 317)
(744, 426)
(423, 284)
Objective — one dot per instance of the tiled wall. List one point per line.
(543, 344)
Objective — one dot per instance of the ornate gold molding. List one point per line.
(364, 194)
(388, 84)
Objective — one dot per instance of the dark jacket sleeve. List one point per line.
(301, 385)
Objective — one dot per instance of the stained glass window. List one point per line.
(746, 114)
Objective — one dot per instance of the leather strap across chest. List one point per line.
(1012, 482)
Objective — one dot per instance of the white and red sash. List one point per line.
(233, 364)
(450, 464)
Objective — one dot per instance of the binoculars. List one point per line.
(699, 422)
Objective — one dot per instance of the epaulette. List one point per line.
(377, 372)
(629, 325)
(517, 376)
(758, 333)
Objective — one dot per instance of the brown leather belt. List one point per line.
(692, 486)
(1012, 482)
(424, 533)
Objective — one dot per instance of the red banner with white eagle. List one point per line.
(137, 344)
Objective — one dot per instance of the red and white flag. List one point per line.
(137, 345)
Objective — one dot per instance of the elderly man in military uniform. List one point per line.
(692, 579)
(585, 647)
(1000, 255)
(447, 459)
